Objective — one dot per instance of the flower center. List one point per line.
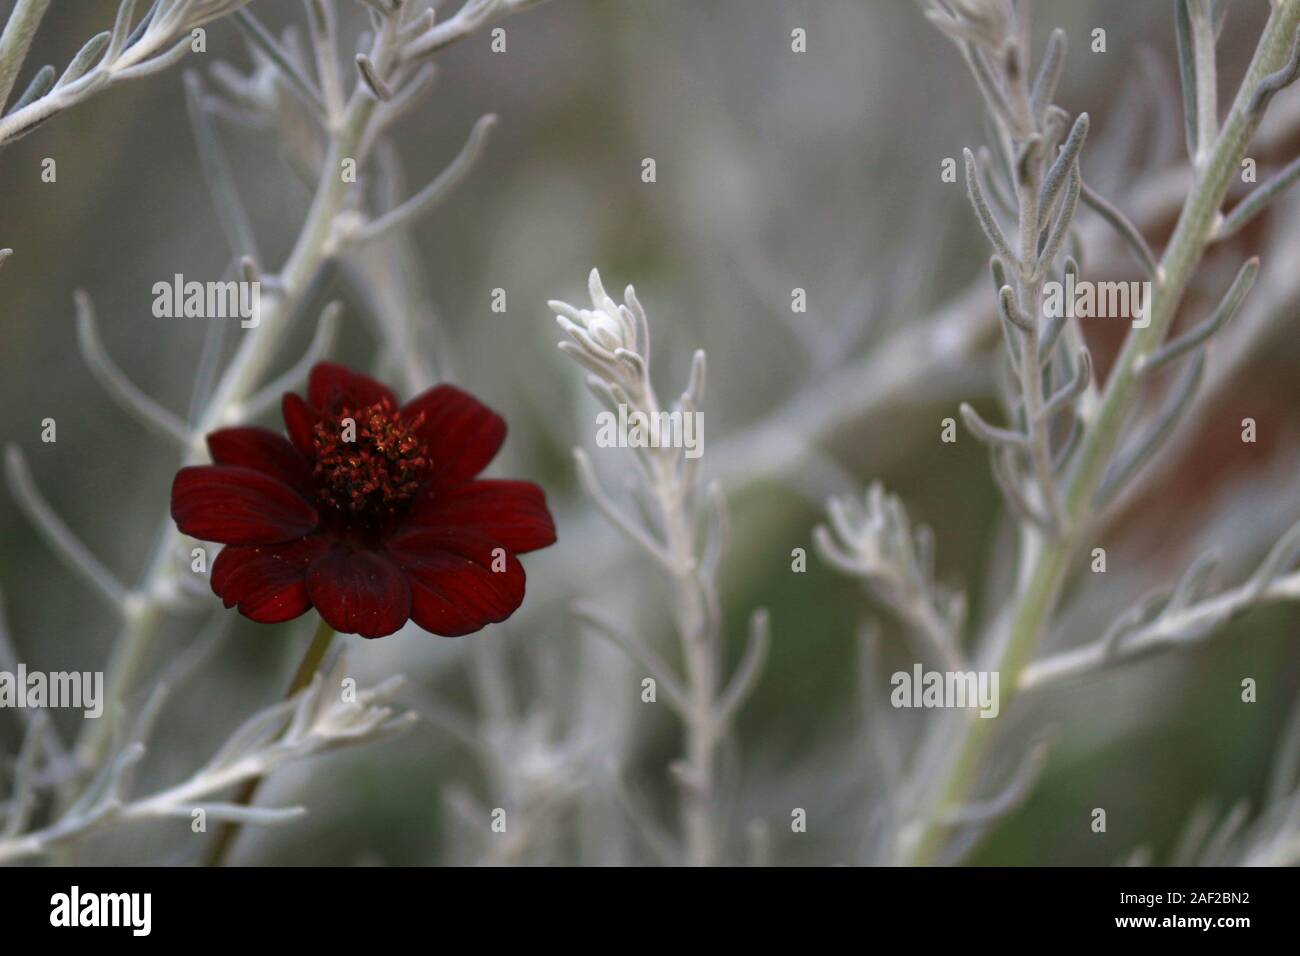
(369, 461)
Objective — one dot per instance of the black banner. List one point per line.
(306, 905)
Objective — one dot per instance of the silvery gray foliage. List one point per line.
(1167, 618)
(537, 762)
(875, 540)
(1068, 447)
(311, 722)
(681, 525)
(324, 114)
(131, 49)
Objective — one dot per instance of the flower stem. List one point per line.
(307, 668)
(1037, 600)
(310, 664)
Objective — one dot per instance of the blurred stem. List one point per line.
(307, 668)
(695, 618)
(1038, 598)
(699, 650)
(1207, 108)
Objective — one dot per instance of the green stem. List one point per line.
(1042, 590)
(311, 661)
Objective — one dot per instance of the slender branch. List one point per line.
(216, 172)
(1121, 224)
(1259, 200)
(114, 381)
(260, 37)
(747, 672)
(1207, 104)
(269, 396)
(323, 23)
(57, 534)
(641, 653)
(1191, 623)
(431, 195)
(1199, 334)
(1127, 461)
(1187, 63)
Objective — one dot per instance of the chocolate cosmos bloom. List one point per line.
(369, 512)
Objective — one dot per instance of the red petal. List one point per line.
(261, 450)
(359, 592)
(236, 505)
(513, 513)
(299, 420)
(332, 387)
(461, 433)
(268, 582)
(454, 589)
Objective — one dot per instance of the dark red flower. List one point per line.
(370, 512)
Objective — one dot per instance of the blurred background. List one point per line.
(775, 170)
